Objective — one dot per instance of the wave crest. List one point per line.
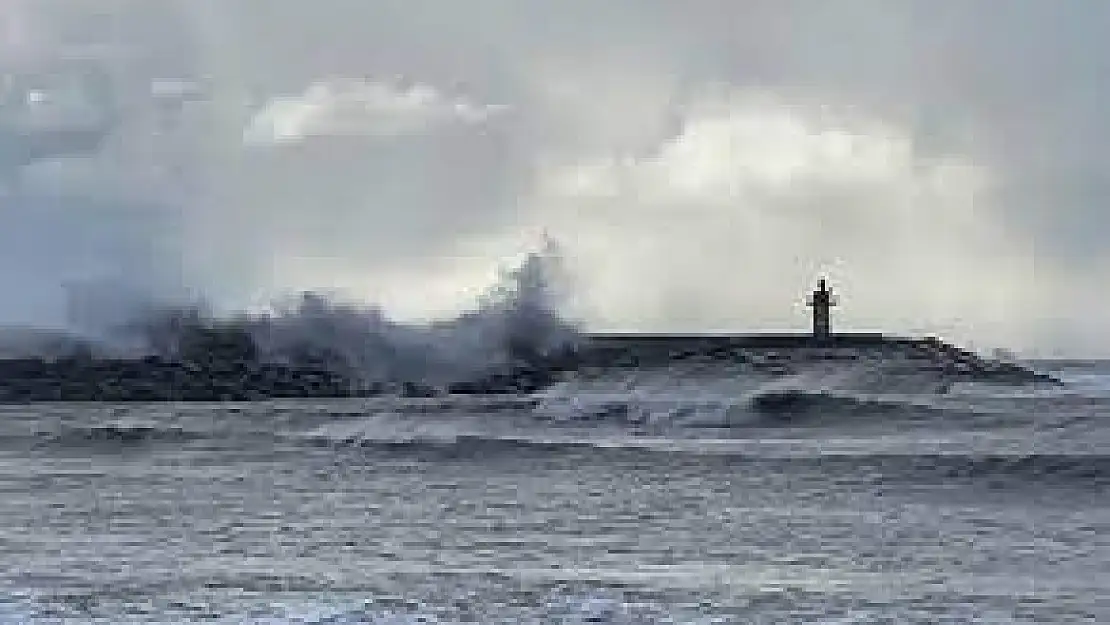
(515, 324)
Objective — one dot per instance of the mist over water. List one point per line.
(516, 321)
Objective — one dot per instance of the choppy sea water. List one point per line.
(623, 500)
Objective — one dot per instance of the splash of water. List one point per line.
(515, 323)
(730, 394)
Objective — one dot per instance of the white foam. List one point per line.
(688, 395)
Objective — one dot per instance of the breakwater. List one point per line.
(782, 351)
(775, 354)
(224, 365)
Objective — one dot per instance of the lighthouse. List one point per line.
(822, 300)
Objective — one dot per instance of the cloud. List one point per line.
(700, 161)
(16, 36)
(725, 221)
(724, 224)
(748, 142)
(345, 108)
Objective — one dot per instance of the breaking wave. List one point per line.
(515, 322)
(728, 396)
(631, 410)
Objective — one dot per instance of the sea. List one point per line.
(630, 497)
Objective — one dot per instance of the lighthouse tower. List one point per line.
(822, 300)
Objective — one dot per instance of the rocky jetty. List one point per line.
(155, 379)
(223, 363)
(208, 364)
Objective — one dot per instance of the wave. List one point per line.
(473, 446)
(767, 409)
(891, 460)
(514, 322)
(941, 456)
(570, 604)
(116, 436)
(812, 414)
(727, 399)
(931, 462)
(621, 410)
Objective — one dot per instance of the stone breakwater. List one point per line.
(773, 354)
(227, 367)
(155, 379)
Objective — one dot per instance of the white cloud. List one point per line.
(16, 35)
(726, 223)
(747, 144)
(333, 108)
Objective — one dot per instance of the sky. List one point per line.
(701, 163)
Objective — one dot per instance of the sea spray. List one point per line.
(514, 326)
(515, 323)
